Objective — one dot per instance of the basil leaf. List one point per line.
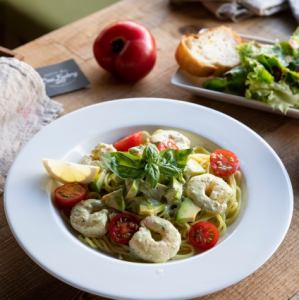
(127, 172)
(168, 156)
(176, 157)
(124, 165)
(181, 157)
(151, 154)
(127, 159)
(151, 165)
(170, 170)
(152, 174)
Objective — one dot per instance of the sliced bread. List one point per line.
(208, 53)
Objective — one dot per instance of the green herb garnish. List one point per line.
(150, 166)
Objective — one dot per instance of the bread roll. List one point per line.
(208, 53)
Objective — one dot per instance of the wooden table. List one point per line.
(20, 277)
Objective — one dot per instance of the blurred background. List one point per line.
(24, 20)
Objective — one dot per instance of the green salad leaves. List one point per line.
(151, 165)
(268, 73)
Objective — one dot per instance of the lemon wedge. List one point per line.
(65, 171)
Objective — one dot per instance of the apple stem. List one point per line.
(117, 45)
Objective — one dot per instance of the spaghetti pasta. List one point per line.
(142, 196)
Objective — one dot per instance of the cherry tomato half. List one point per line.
(69, 194)
(170, 144)
(224, 162)
(130, 141)
(203, 235)
(122, 227)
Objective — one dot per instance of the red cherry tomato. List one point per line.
(203, 235)
(69, 194)
(122, 227)
(126, 49)
(170, 144)
(129, 141)
(224, 162)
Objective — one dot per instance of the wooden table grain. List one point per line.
(278, 278)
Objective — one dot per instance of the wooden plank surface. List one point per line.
(20, 277)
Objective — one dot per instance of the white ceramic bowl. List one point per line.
(35, 223)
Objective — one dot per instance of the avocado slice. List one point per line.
(115, 200)
(196, 164)
(132, 204)
(150, 207)
(132, 189)
(97, 183)
(174, 193)
(157, 193)
(187, 211)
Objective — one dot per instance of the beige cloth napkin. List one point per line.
(24, 109)
(294, 4)
(236, 10)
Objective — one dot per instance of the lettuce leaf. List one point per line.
(277, 95)
(267, 73)
(263, 85)
(233, 82)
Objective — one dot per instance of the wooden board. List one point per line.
(20, 278)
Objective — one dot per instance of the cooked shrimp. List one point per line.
(163, 136)
(145, 247)
(209, 192)
(89, 218)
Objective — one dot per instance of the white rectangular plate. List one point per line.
(180, 80)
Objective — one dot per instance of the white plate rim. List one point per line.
(179, 80)
(156, 272)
